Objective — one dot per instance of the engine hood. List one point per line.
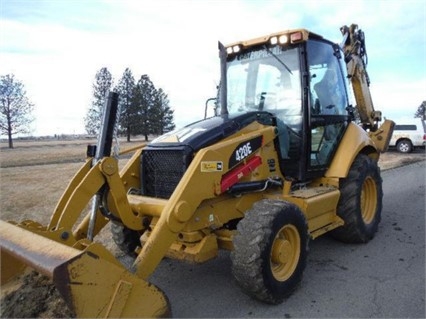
(207, 132)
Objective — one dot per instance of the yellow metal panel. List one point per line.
(319, 205)
(224, 238)
(118, 301)
(130, 173)
(383, 135)
(324, 223)
(199, 252)
(117, 294)
(212, 214)
(354, 140)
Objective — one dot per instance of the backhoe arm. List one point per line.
(353, 45)
(356, 61)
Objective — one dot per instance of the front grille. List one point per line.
(162, 170)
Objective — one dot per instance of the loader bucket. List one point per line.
(92, 282)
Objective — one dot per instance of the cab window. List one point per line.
(328, 112)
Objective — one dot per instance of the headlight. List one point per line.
(233, 49)
(282, 39)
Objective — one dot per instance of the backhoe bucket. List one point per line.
(92, 281)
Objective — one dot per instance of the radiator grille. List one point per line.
(162, 171)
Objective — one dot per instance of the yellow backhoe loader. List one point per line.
(290, 156)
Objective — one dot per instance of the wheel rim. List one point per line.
(368, 200)
(404, 147)
(285, 252)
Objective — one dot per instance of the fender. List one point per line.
(353, 142)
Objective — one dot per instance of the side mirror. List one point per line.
(215, 106)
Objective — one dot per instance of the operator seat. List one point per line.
(323, 90)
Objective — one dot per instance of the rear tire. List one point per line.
(126, 239)
(360, 203)
(404, 146)
(270, 250)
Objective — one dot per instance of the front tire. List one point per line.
(360, 203)
(270, 250)
(404, 146)
(126, 239)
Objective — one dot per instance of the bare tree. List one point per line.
(15, 108)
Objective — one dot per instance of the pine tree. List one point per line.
(128, 111)
(143, 100)
(15, 108)
(421, 111)
(163, 113)
(101, 87)
(156, 113)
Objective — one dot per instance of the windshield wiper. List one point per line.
(278, 59)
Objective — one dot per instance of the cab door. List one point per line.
(328, 115)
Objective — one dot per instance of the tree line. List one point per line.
(143, 109)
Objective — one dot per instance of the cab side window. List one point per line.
(328, 102)
(326, 81)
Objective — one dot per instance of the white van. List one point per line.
(408, 134)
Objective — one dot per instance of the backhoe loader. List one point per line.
(291, 155)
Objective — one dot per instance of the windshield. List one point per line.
(266, 80)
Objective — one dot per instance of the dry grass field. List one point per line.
(33, 176)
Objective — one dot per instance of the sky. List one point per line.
(55, 48)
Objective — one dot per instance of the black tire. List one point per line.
(404, 146)
(267, 231)
(126, 239)
(360, 204)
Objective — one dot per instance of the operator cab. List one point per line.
(301, 79)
